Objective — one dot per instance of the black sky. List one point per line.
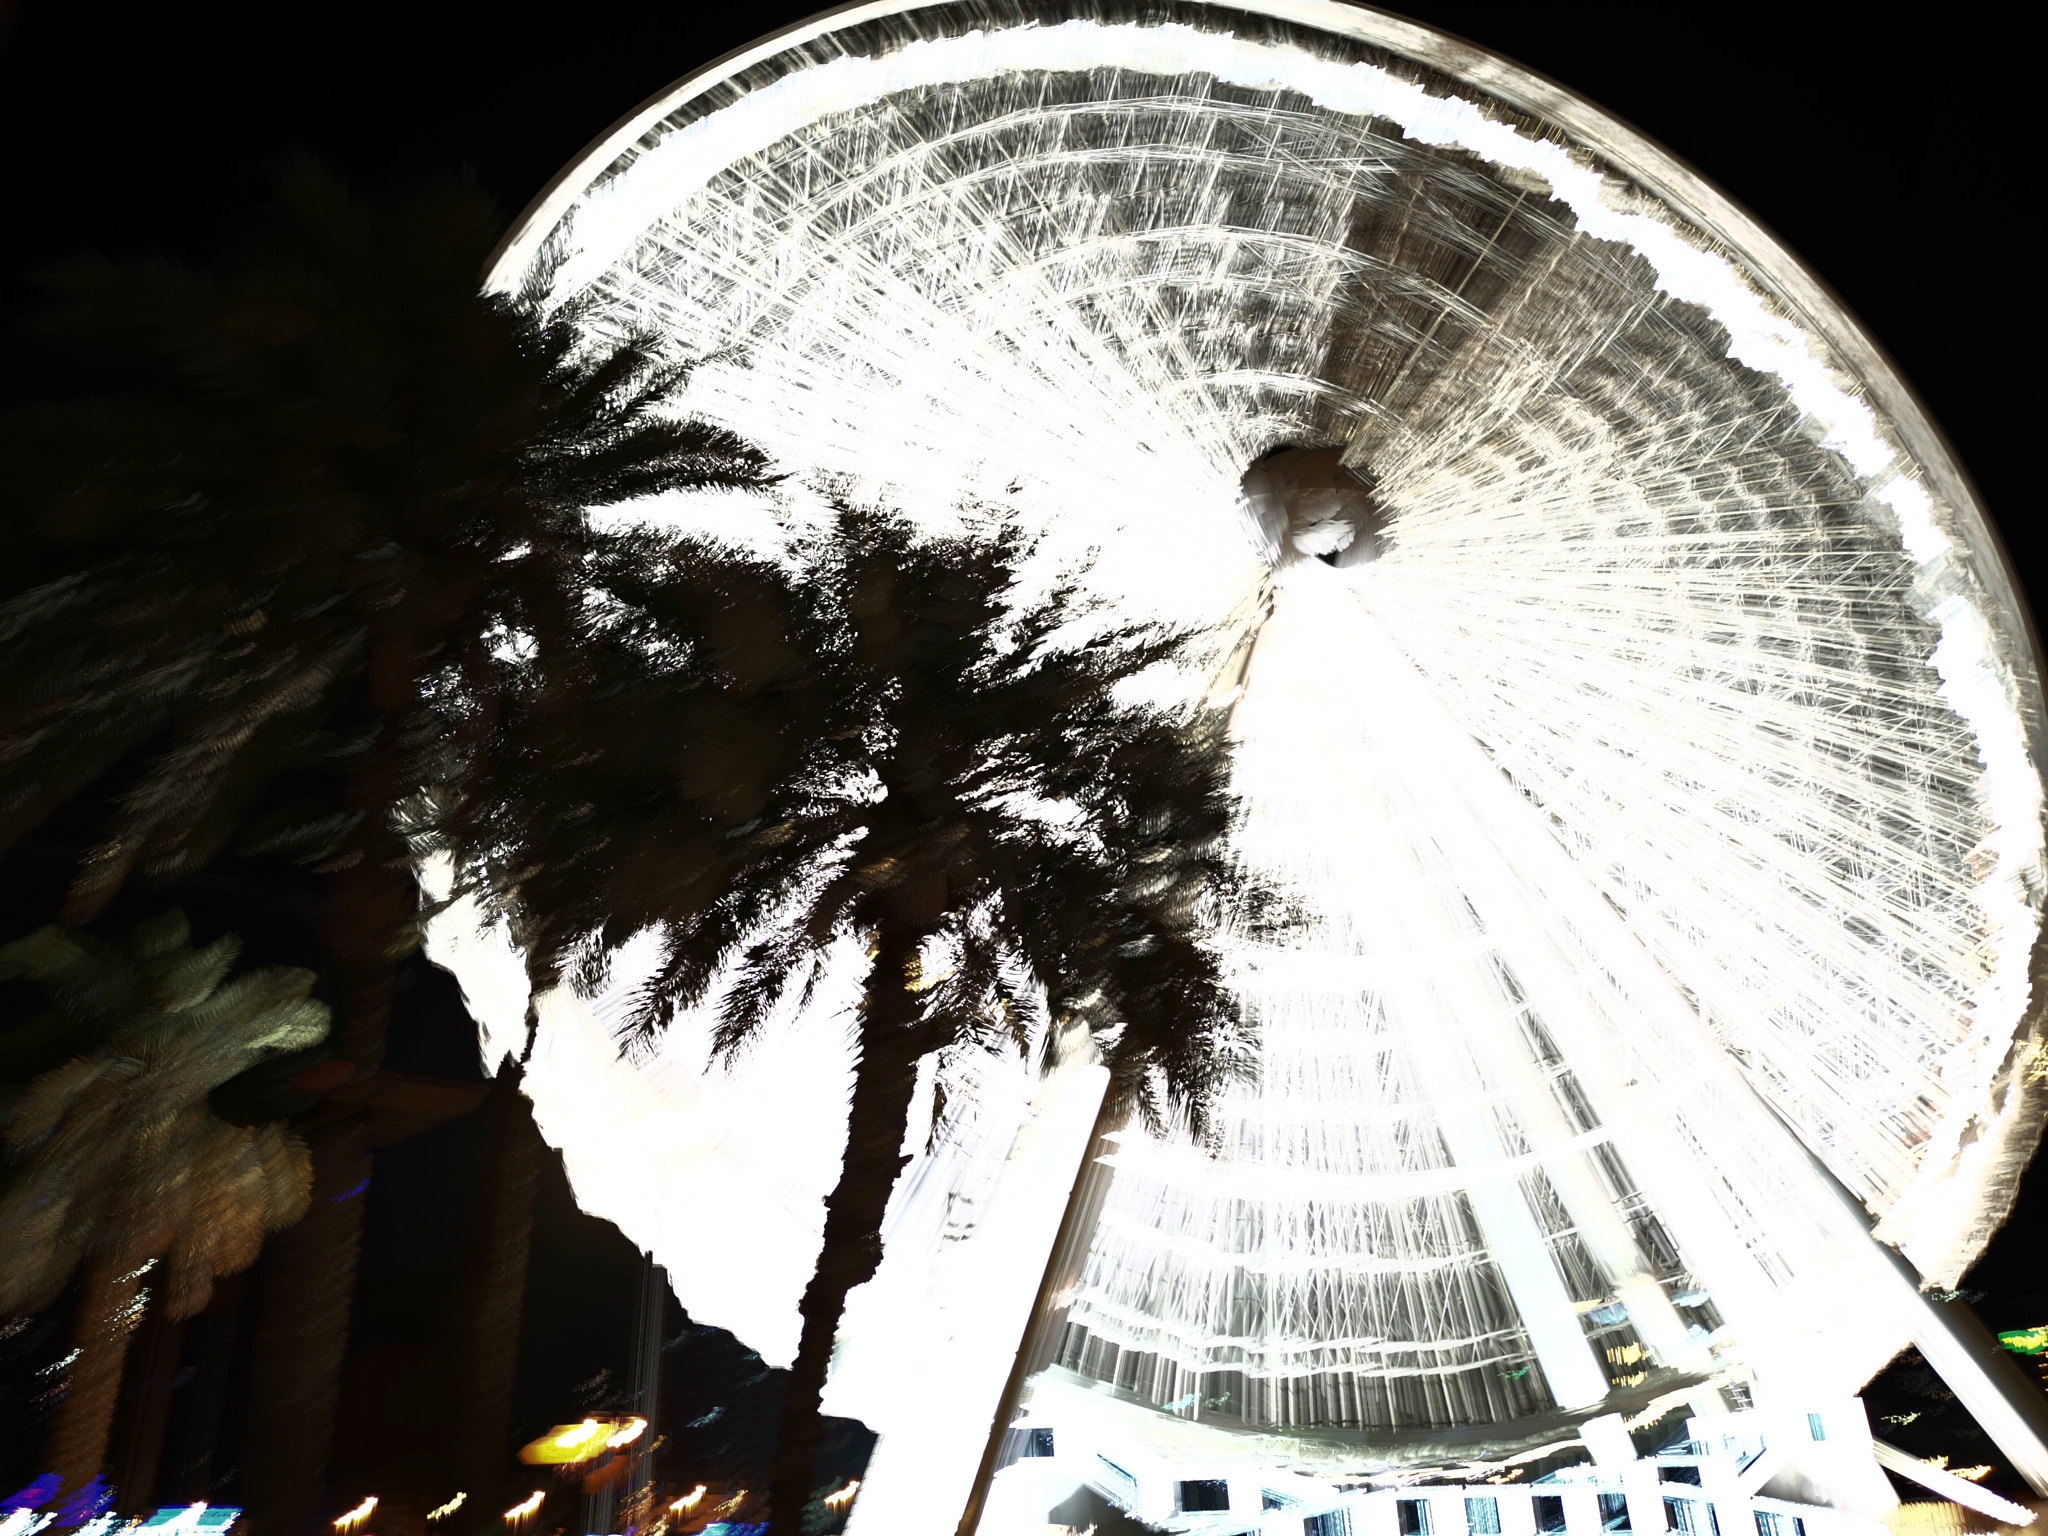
(1881, 150)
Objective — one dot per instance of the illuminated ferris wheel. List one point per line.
(1627, 683)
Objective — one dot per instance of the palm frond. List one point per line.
(115, 1148)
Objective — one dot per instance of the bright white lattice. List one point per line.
(1660, 784)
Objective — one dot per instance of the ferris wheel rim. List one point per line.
(1475, 80)
(1668, 177)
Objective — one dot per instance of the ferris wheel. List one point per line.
(1627, 683)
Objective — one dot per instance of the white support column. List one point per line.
(1517, 1244)
(1482, 1015)
(1376, 1515)
(1581, 1510)
(1517, 922)
(1529, 883)
(1447, 1512)
(1999, 1398)
(927, 1456)
(1436, 1010)
(1640, 1486)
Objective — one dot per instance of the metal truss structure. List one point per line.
(1660, 771)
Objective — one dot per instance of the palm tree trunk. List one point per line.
(369, 906)
(302, 1332)
(495, 1295)
(301, 1339)
(157, 1353)
(77, 1445)
(884, 1082)
(196, 1429)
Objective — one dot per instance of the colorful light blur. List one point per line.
(2025, 1341)
(199, 1519)
(353, 1519)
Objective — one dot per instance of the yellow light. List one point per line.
(684, 1504)
(527, 1505)
(356, 1516)
(445, 1510)
(626, 1434)
(844, 1496)
(567, 1444)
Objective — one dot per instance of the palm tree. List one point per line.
(668, 752)
(251, 590)
(115, 1163)
(340, 479)
(890, 750)
(494, 1294)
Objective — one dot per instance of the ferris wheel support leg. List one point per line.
(1482, 828)
(1431, 1026)
(1503, 833)
(940, 1424)
(1497, 1039)
(1986, 1380)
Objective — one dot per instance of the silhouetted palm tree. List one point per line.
(757, 766)
(251, 590)
(339, 479)
(113, 1159)
(664, 762)
(493, 1297)
(644, 772)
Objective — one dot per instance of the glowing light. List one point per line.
(625, 1434)
(844, 1496)
(525, 1506)
(443, 1511)
(354, 1518)
(689, 1500)
(2025, 1341)
(1952, 1486)
(211, 1519)
(567, 1444)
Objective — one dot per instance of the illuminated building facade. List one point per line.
(1796, 1472)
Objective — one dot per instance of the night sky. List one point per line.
(1880, 151)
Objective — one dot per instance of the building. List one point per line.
(1804, 1471)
